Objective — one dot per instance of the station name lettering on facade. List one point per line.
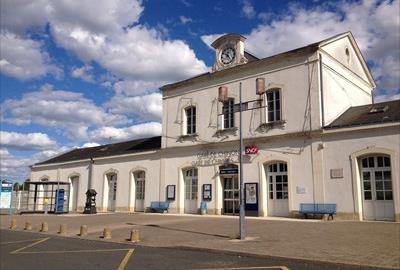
(206, 158)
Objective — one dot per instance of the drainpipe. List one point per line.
(90, 173)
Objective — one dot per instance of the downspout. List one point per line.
(90, 173)
(352, 188)
(321, 85)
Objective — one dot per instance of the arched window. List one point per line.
(278, 181)
(140, 184)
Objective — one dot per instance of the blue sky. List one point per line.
(82, 73)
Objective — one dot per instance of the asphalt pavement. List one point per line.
(28, 250)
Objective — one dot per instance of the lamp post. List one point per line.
(222, 97)
(242, 230)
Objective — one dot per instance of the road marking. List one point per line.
(20, 241)
(72, 251)
(30, 245)
(125, 260)
(248, 268)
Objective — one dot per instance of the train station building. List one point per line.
(312, 132)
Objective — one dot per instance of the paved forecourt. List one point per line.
(24, 250)
(374, 244)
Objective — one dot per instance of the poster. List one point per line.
(207, 192)
(171, 192)
(5, 195)
(251, 193)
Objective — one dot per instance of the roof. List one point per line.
(270, 59)
(114, 149)
(378, 113)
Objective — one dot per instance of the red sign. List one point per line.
(251, 150)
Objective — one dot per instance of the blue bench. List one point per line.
(159, 207)
(318, 208)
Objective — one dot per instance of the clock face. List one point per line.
(227, 55)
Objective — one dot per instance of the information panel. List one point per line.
(5, 195)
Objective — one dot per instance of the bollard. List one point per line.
(84, 230)
(107, 233)
(13, 225)
(28, 226)
(45, 227)
(63, 229)
(134, 236)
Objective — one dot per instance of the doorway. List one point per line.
(112, 192)
(376, 183)
(140, 191)
(278, 192)
(73, 205)
(191, 190)
(231, 195)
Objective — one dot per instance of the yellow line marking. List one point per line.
(248, 268)
(73, 251)
(20, 241)
(125, 260)
(30, 245)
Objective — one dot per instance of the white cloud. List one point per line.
(112, 134)
(15, 167)
(67, 111)
(108, 33)
(185, 20)
(136, 87)
(83, 73)
(248, 9)
(89, 144)
(136, 52)
(21, 15)
(146, 108)
(24, 58)
(27, 141)
(386, 97)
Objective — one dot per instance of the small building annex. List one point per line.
(314, 135)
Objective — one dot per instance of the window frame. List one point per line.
(228, 114)
(190, 120)
(277, 117)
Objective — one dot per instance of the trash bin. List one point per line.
(203, 208)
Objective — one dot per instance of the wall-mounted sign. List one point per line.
(336, 173)
(300, 190)
(171, 192)
(251, 150)
(226, 171)
(207, 192)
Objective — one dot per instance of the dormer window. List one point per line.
(228, 113)
(273, 105)
(190, 114)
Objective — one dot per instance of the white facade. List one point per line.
(299, 161)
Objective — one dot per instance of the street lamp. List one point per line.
(222, 97)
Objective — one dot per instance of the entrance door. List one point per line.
(191, 188)
(278, 203)
(74, 194)
(112, 191)
(376, 182)
(140, 187)
(231, 195)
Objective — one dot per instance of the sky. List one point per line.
(84, 73)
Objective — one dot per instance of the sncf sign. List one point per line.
(251, 150)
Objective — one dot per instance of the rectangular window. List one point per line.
(228, 112)
(273, 105)
(190, 120)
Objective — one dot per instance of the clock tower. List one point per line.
(229, 51)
